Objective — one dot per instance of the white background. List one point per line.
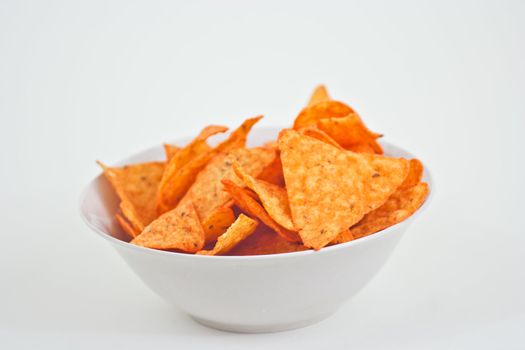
(90, 80)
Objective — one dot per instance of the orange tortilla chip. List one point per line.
(136, 185)
(207, 192)
(218, 222)
(250, 206)
(402, 204)
(343, 237)
(126, 226)
(329, 189)
(320, 135)
(320, 94)
(237, 232)
(273, 198)
(264, 241)
(170, 185)
(415, 174)
(327, 109)
(273, 173)
(350, 132)
(178, 229)
(170, 151)
(179, 178)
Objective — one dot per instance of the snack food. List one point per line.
(322, 182)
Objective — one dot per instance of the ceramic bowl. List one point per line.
(264, 293)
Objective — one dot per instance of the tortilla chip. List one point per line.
(239, 136)
(273, 198)
(218, 222)
(196, 152)
(264, 241)
(181, 177)
(250, 206)
(136, 185)
(320, 94)
(343, 237)
(178, 229)
(320, 135)
(402, 204)
(350, 132)
(273, 173)
(415, 173)
(170, 151)
(126, 226)
(327, 109)
(237, 232)
(207, 192)
(329, 189)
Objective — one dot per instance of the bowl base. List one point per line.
(261, 328)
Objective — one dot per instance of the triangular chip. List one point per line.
(178, 229)
(327, 109)
(265, 241)
(245, 201)
(414, 174)
(170, 151)
(402, 204)
(237, 232)
(126, 226)
(394, 210)
(320, 94)
(170, 185)
(136, 185)
(350, 132)
(218, 221)
(343, 237)
(273, 173)
(329, 189)
(207, 192)
(181, 177)
(316, 133)
(273, 198)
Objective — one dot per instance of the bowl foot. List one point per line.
(261, 328)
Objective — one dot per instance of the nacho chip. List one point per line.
(180, 177)
(170, 151)
(126, 226)
(136, 185)
(264, 241)
(327, 109)
(207, 192)
(273, 173)
(237, 232)
(239, 136)
(343, 237)
(402, 204)
(320, 135)
(389, 173)
(415, 174)
(350, 132)
(250, 206)
(329, 189)
(178, 229)
(170, 185)
(320, 94)
(218, 222)
(273, 198)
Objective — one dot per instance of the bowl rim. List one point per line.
(325, 250)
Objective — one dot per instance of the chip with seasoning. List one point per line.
(179, 229)
(237, 232)
(323, 182)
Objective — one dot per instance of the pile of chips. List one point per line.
(324, 181)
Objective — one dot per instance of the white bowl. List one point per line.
(264, 293)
